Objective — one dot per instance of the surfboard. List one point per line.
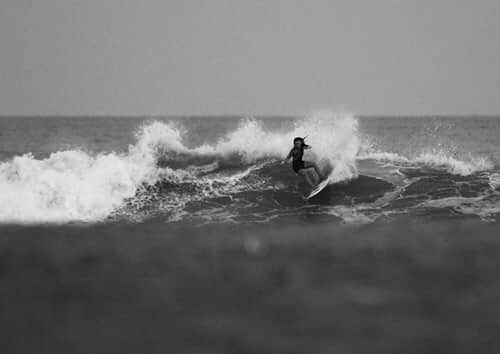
(318, 188)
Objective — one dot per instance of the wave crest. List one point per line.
(68, 186)
(163, 172)
(74, 185)
(437, 159)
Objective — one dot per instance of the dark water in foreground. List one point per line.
(300, 288)
(189, 236)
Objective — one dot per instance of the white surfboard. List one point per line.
(318, 188)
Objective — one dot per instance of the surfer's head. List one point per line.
(298, 141)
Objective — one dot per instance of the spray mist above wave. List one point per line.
(333, 136)
(74, 185)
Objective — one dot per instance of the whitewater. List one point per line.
(168, 170)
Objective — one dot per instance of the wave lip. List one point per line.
(333, 136)
(439, 159)
(74, 185)
(161, 173)
(454, 165)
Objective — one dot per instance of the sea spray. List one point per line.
(335, 141)
(333, 137)
(74, 185)
(238, 175)
(68, 186)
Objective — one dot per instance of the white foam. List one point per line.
(495, 180)
(77, 186)
(350, 215)
(485, 208)
(68, 186)
(454, 165)
(436, 159)
(333, 137)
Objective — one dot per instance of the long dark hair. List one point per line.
(302, 140)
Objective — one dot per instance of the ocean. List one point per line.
(192, 235)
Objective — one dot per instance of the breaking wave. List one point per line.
(436, 159)
(237, 177)
(77, 186)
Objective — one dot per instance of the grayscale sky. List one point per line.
(249, 57)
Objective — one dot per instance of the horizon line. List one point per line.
(242, 115)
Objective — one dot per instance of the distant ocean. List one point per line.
(192, 234)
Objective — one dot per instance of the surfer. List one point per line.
(300, 166)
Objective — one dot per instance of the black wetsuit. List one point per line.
(296, 153)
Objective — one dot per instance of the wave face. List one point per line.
(237, 175)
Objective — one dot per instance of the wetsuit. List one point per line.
(297, 153)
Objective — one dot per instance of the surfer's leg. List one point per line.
(314, 176)
(309, 164)
(307, 178)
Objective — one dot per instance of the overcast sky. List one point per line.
(249, 57)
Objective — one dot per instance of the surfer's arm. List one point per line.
(289, 156)
(307, 147)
